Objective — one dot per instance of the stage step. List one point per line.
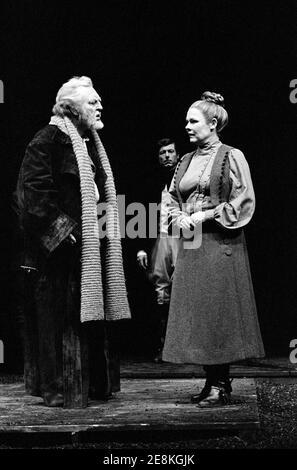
(144, 368)
(142, 405)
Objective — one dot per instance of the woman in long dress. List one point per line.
(213, 317)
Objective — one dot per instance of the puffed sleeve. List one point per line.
(239, 210)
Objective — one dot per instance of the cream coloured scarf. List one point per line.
(97, 303)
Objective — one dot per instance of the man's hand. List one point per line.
(142, 259)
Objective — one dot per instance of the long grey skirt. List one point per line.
(213, 316)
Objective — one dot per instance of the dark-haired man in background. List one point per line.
(160, 264)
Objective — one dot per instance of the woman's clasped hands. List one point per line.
(188, 222)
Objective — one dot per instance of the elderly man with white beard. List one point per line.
(76, 272)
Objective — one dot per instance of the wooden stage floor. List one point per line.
(154, 398)
(142, 405)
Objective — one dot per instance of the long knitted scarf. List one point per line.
(97, 303)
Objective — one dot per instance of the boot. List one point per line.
(53, 399)
(218, 396)
(217, 378)
(203, 394)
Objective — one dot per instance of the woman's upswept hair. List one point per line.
(68, 95)
(212, 106)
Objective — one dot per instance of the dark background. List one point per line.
(150, 60)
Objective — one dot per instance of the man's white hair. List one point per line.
(68, 95)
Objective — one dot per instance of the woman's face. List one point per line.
(198, 129)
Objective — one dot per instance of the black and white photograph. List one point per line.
(148, 240)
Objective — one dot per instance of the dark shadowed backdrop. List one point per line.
(150, 60)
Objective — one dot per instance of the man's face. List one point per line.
(90, 108)
(168, 156)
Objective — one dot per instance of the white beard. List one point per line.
(88, 121)
(98, 125)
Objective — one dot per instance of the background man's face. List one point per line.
(90, 108)
(168, 156)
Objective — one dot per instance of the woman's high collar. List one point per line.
(207, 147)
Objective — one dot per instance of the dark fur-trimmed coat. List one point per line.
(48, 204)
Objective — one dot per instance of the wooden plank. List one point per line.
(75, 369)
(148, 369)
(155, 405)
(75, 358)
